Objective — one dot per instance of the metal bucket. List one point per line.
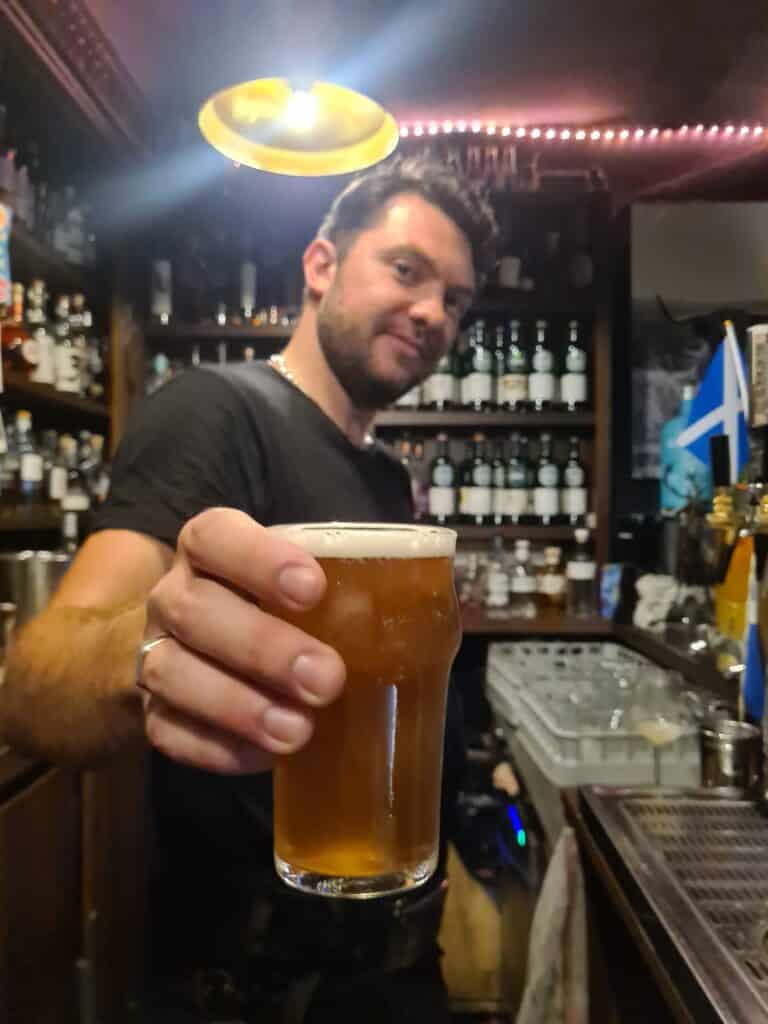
(731, 757)
(29, 578)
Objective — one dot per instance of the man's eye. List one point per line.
(404, 269)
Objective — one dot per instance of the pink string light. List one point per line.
(728, 132)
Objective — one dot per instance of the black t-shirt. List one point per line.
(242, 437)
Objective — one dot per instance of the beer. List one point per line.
(356, 811)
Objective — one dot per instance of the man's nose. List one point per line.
(429, 312)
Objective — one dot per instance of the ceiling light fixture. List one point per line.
(325, 129)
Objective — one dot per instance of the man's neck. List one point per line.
(311, 373)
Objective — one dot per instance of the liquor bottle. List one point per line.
(477, 376)
(442, 484)
(419, 485)
(551, 580)
(161, 304)
(513, 384)
(249, 354)
(57, 477)
(10, 462)
(522, 583)
(30, 460)
(517, 493)
(573, 383)
(439, 390)
(581, 572)
(499, 363)
(546, 493)
(160, 373)
(497, 578)
(498, 482)
(76, 498)
(476, 485)
(247, 290)
(574, 496)
(541, 382)
(20, 353)
(67, 356)
(37, 323)
(101, 477)
(70, 532)
(465, 481)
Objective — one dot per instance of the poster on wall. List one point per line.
(693, 265)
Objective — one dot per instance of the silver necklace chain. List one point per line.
(277, 362)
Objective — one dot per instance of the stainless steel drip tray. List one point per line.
(700, 863)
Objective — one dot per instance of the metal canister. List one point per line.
(731, 757)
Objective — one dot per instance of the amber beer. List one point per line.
(357, 811)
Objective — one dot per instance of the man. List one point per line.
(180, 556)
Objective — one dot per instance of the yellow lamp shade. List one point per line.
(326, 129)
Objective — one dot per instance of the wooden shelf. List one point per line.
(29, 517)
(512, 302)
(43, 395)
(533, 533)
(458, 419)
(181, 332)
(476, 622)
(31, 258)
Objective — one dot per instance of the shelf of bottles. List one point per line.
(477, 622)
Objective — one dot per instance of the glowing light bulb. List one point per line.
(714, 129)
(640, 133)
(301, 109)
(447, 127)
(550, 133)
(729, 129)
(609, 135)
(432, 129)
(476, 126)
(758, 129)
(565, 134)
(404, 131)
(682, 130)
(581, 135)
(506, 130)
(653, 133)
(624, 134)
(744, 130)
(521, 133)
(491, 129)
(535, 133)
(594, 135)
(461, 126)
(418, 130)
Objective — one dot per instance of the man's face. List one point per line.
(395, 301)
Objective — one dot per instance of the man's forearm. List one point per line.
(69, 691)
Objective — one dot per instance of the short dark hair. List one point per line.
(357, 206)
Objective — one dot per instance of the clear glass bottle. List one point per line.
(574, 495)
(476, 485)
(442, 484)
(497, 579)
(551, 581)
(77, 498)
(582, 578)
(477, 377)
(419, 484)
(57, 477)
(522, 583)
(517, 493)
(439, 390)
(498, 482)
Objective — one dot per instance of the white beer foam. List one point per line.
(370, 540)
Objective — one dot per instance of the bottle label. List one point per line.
(547, 475)
(552, 584)
(45, 371)
(442, 502)
(498, 503)
(581, 571)
(439, 388)
(67, 369)
(574, 501)
(513, 388)
(515, 502)
(573, 388)
(442, 476)
(30, 351)
(31, 468)
(576, 360)
(476, 388)
(476, 501)
(541, 387)
(542, 361)
(546, 501)
(522, 585)
(57, 483)
(410, 400)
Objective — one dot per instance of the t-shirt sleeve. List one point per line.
(179, 456)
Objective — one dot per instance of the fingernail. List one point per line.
(300, 584)
(317, 676)
(287, 726)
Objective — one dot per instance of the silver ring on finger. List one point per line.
(144, 650)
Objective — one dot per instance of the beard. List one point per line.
(344, 344)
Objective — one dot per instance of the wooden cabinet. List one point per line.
(40, 934)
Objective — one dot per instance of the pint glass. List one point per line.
(357, 811)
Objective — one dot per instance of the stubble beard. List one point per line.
(344, 345)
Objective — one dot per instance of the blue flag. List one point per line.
(720, 407)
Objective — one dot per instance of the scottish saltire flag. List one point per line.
(753, 678)
(720, 407)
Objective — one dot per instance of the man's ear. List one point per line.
(320, 265)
